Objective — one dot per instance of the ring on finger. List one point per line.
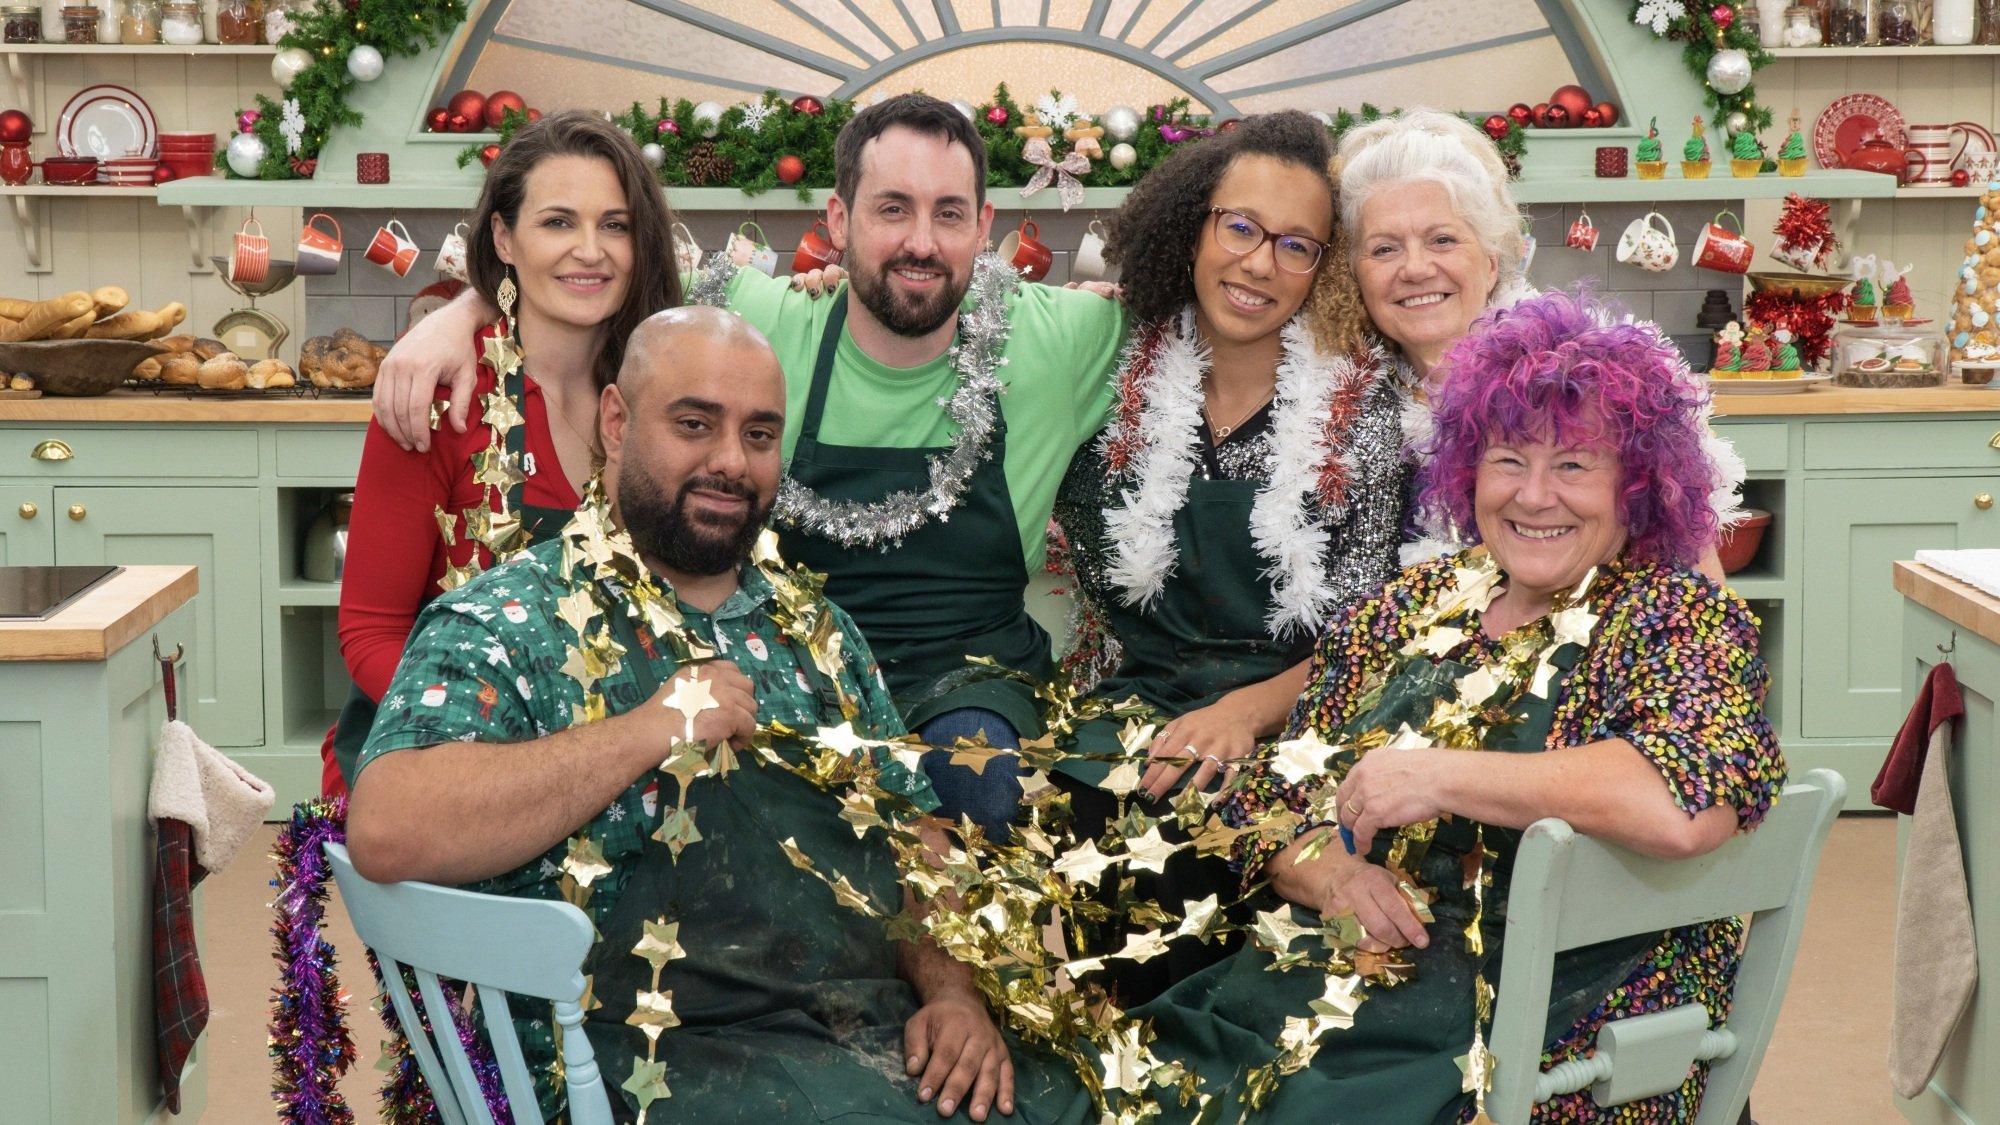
(1189, 752)
(1354, 807)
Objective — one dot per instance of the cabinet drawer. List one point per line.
(130, 451)
(320, 453)
(1940, 444)
(1764, 446)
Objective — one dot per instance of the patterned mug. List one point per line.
(1647, 246)
(1582, 233)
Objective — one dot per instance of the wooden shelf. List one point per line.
(1876, 52)
(1967, 192)
(80, 190)
(1826, 184)
(136, 49)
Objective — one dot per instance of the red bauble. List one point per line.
(459, 124)
(1608, 112)
(1592, 119)
(1558, 117)
(668, 126)
(438, 120)
(791, 169)
(1542, 113)
(469, 104)
(1573, 99)
(997, 115)
(489, 154)
(534, 114)
(498, 105)
(1960, 177)
(806, 103)
(1522, 114)
(1723, 15)
(16, 126)
(162, 174)
(1226, 125)
(1497, 126)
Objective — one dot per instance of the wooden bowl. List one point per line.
(1799, 285)
(76, 368)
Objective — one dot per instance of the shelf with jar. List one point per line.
(147, 24)
(1796, 30)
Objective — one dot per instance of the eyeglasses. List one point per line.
(1239, 234)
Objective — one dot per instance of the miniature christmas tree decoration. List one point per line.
(1864, 300)
(1650, 160)
(1785, 358)
(1792, 157)
(1694, 154)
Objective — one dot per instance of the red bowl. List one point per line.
(69, 170)
(1738, 545)
(187, 168)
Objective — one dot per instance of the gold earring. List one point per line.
(506, 295)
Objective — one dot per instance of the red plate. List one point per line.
(1850, 120)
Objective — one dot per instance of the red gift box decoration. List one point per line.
(1611, 162)
(371, 167)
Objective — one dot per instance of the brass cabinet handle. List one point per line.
(77, 512)
(53, 450)
(1983, 501)
(29, 511)
(1993, 442)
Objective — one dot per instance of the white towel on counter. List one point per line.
(1975, 568)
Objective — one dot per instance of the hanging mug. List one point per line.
(319, 252)
(250, 264)
(753, 251)
(1087, 264)
(1647, 246)
(1582, 233)
(1023, 250)
(687, 252)
(1527, 251)
(451, 255)
(815, 249)
(1721, 249)
(393, 249)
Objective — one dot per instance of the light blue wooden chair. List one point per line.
(500, 946)
(1569, 890)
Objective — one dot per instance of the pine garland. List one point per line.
(1705, 36)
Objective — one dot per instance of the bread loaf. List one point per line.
(226, 372)
(180, 370)
(75, 328)
(109, 300)
(178, 344)
(171, 314)
(148, 370)
(46, 317)
(271, 374)
(134, 324)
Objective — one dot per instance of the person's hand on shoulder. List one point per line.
(822, 280)
(1108, 290)
(434, 352)
(961, 1057)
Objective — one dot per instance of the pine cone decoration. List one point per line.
(705, 167)
(1513, 165)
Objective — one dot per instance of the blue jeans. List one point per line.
(991, 799)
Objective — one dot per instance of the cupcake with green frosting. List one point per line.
(1864, 300)
(1694, 154)
(1792, 157)
(1651, 162)
(1746, 157)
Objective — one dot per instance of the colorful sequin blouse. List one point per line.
(1672, 669)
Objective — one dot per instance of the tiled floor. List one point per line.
(1825, 1067)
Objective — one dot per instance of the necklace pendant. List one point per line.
(1222, 433)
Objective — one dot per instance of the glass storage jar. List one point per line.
(1989, 23)
(180, 23)
(1896, 23)
(1802, 27)
(21, 23)
(1847, 23)
(239, 22)
(140, 22)
(79, 23)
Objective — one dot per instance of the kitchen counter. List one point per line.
(167, 406)
(106, 618)
(1829, 399)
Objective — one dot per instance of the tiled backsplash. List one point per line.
(375, 302)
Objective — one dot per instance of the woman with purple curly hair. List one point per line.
(1571, 664)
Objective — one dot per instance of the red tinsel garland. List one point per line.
(1810, 320)
(1804, 230)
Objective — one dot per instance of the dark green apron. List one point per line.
(953, 588)
(357, 715)
(1396, 1065)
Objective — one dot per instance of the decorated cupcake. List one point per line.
(1652, 163)
(1864, 300)
(1897, 304)
(1746, 157)
(1694, 154)
(1792, 157)
(1756, 355)
(1785, 358)
(1728, 352)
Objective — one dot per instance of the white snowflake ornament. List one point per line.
(1657, 14)
(1056, 112)
(292, 126)
(755, 114)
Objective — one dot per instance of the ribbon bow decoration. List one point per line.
(1047, 167)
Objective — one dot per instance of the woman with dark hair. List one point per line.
(556, 246)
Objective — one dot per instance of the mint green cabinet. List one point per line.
(215, 530)
(27, 525)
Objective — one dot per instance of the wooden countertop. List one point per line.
(106, 619)
(165, 406)
(1829, 399)
(1962, 604)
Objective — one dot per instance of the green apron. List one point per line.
(1396, 1065)
(357, 715)
(953, 588)
(790, 1005)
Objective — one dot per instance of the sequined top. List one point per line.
(1673, 669)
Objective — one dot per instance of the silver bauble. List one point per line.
(1123, 156)
(1736, 122)
(654, 154)
(1121, 123)
(289, 64)
(708, 118)
(967, 108)
(246, 152)
(364, 63)
(1728, 71)
(1323, 117)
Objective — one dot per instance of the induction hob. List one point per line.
(37, 592)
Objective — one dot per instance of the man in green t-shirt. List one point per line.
(926, 518)
(477, 773)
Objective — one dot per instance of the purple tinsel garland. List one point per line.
(309, 1038)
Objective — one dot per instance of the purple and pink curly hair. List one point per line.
(1566, 368)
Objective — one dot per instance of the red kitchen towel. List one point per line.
(1938, 702)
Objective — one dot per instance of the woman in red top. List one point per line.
(566, 240)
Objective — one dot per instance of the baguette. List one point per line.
(47, 316)
(76, 327)
(14, 308)
(109, 299)
(133, 324)
(171, 314)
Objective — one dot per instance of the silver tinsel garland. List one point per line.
(982, 336)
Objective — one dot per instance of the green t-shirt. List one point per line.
(1062, 356)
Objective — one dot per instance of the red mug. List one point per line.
(815, 249)
(1582, 233)
(1023, 250)
(1721, 249)
(393, 249)
(319, 252)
